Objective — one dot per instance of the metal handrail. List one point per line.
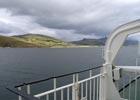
(127, 85)
(69, 85)
(42, 80)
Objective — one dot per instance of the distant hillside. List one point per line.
(14, 42)
(100, 42)
(31, 40)
(87, 41)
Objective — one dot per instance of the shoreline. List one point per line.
(86, 46)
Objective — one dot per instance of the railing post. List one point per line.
(73, 88)
(77, 88)
(19, 97)
(90, 75)
(86, 89)
(62, 93)
(54, 83)
(94, 89)
(102, 86)
(28, 89)
(47, 97)
(81, 90)
(68, 92)
(135, 86)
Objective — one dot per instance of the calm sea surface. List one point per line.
(19, 65)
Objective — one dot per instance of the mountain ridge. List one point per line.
(100, 42)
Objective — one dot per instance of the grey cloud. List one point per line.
(4, 28)
(4, 31)
(98, 17)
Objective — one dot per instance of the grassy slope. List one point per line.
(42, 40)
(14, 42)
(32, 40)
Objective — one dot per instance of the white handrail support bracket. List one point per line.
(113, 45)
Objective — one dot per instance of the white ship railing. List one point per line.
(91, 89)
(79, 89)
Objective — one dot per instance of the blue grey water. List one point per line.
(19, 65)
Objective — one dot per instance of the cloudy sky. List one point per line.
(68, 20)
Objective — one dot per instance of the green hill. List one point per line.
(14, 42)
(31, 40)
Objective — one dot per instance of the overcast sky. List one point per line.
(68, 20)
